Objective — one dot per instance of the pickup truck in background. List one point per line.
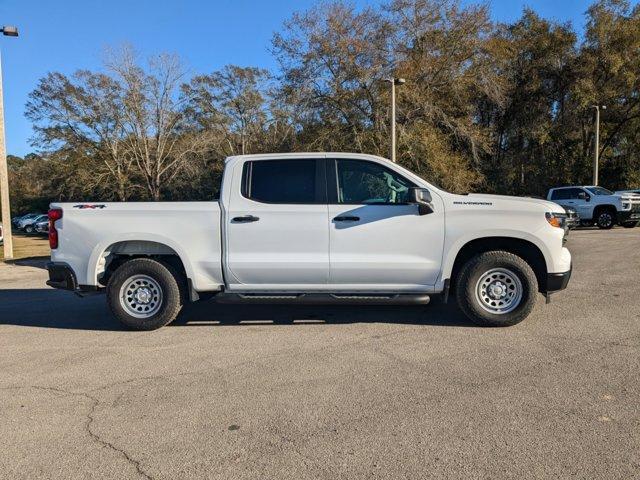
(599, 205)
(315, 228)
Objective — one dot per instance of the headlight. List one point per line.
(626, 206)
(556, 219)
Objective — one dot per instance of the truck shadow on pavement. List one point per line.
(48, 308)
(36, 262)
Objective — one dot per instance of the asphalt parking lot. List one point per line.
(236, 392)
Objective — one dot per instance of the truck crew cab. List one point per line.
(315, 228)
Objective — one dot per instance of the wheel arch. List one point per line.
(523, 248)
(110, 253)
(604, 206)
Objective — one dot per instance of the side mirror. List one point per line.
(422, 198)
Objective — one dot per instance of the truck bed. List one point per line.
(88, 232)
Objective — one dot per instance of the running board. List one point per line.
(324, 298)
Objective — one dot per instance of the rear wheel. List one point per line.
(496, 289)
(145, 294)
(606, 218)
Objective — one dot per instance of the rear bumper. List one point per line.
(558, 281)
(61, 276)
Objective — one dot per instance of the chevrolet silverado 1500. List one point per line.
(315, 228)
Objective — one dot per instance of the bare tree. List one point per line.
(158, 137)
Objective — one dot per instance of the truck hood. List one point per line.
(506, 201)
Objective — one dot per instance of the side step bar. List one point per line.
(323, 298)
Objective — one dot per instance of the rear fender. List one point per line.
(96, 259)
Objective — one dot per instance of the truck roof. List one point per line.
(303, 155)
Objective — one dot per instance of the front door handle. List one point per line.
(346, 218)
(245, 219)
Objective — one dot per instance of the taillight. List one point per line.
(54, 214)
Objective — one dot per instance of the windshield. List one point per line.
(599, 191)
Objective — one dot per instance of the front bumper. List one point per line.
(629, 216)
(572, 222)
(558, 281)
(61, 276)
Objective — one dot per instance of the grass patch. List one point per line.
(28, 246)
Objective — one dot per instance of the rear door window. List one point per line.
(566, 194)
(284, 181)
(561, 194)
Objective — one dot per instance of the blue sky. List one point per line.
(66, 35)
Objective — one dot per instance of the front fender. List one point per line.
(453, 249)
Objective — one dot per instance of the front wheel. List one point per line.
(145, 294)
(28, 229)
(496, 289)
(606, 219)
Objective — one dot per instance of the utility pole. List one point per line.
(596, 155)
(394, 82)
(4, 174)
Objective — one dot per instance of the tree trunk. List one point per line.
(122, 191)
(155, 188)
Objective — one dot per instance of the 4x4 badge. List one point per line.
(83, 206)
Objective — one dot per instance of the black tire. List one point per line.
(630, 224)
(606, 218)
(163, 277)
(469, 296)
(28, 229)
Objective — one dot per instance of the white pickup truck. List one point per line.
(315, 228)
(599, 205)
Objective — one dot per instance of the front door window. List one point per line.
(361, 182)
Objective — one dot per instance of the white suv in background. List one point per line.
(599, 205)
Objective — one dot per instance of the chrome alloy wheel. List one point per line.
(499, 291)
(141, 296)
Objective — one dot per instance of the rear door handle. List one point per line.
(245, 219)
(346, 218)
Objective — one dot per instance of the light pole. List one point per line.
(4, 174)
(394, 82)
(596, 156)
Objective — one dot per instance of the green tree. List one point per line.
(609, 74)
